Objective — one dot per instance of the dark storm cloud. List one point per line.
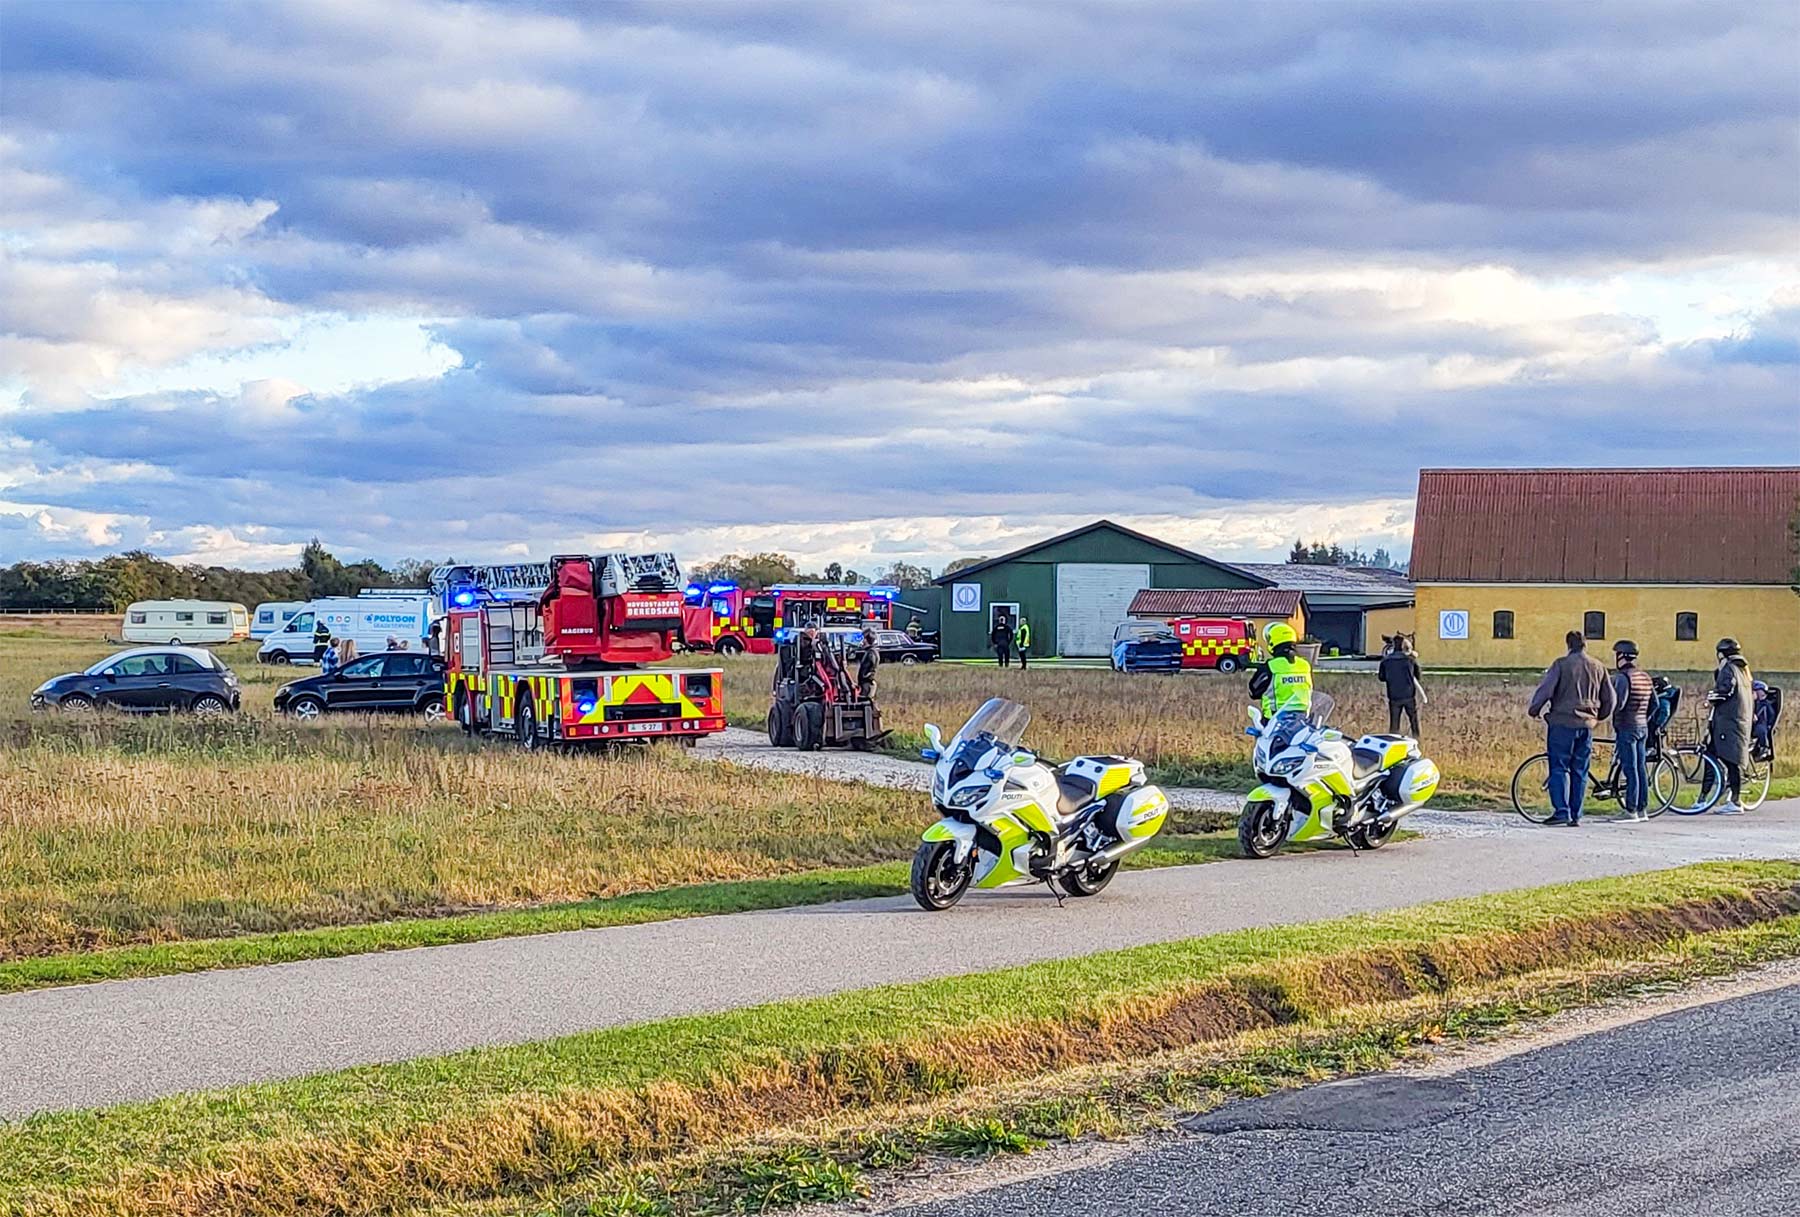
(976, 258)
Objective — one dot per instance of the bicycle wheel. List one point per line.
(1665, 785)
(1531, 789)
(1756, 777)
(1697, 796)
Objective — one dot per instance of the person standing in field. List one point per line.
(1022, 641)
(866, 666)
(1634, 691)
(321, 639)
(328, 658)
(1000, 638)
(1399, 676)
(914, 630)
(1733, 708)
(1574, 697)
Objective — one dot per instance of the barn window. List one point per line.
(1503, 623)
(1593, 625)
(1687, 627)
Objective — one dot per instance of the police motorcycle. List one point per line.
(1010, 818)
(1314, 784)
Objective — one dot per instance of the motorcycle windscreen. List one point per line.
(999, 723)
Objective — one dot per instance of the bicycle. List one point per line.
(1531, 785)
(1698, 768)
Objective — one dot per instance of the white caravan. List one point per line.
(271, 615)
(191, 622)
(368, 620)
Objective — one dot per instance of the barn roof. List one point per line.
(1185, 555)
(1215, 602)
(1307, 577)
(1726, 525)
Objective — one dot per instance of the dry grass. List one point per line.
(1190, 727)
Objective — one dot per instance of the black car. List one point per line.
(897, 646)
(145, 680)
(393, 680)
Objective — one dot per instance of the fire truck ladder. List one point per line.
(512, 581)
(620, 573)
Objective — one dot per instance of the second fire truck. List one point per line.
(557, 651)
(725, 618)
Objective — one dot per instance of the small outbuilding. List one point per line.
(1262, 606)
(1073, 589)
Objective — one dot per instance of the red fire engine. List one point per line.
(1225, 643)
(554, 650)
(723, 617)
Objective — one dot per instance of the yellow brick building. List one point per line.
(1506, 562)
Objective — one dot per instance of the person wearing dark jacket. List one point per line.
(1633, 693)
(1574, 697)
(1733, 707)
(865, 667)
(1399, 675)
(321, 639)
(1001, 639)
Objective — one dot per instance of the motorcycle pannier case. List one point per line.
(1107, 774)
(1412, 783)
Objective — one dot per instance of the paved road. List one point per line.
(122, 1040)
(1688, 1115)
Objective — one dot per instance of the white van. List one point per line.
(271, 615)
(179, 622)
(368, 620)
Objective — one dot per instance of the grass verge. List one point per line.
(698, 900)
(509, 1123)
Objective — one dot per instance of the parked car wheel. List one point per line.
(174, 642)
(1228, 663)
(79, 703)
(279, 657)
(306, 708)
(908, 660)
(432, 708)
(211, 703)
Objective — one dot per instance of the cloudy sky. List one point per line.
(871, 281)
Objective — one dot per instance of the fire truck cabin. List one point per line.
(725, 618)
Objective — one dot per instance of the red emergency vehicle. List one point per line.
(724, 617)
(554, 651)
(1225, 643)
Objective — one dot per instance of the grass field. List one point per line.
(538, 1119)
(1189, 728)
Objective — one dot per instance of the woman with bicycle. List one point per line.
(1732, 710)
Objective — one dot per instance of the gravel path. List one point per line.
(122, 1040)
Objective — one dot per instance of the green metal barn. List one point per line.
(1072, 588)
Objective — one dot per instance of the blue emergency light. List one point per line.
(885, 593)
(719, 589)
(463, 598)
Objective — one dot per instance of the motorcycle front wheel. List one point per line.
(1261, 831)
(1088, 880)
(937, 881)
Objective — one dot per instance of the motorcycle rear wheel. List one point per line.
(1086, 880)
(1261, 833)
(937, 881)
(1372, 835)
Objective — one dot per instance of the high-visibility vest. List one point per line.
(1022, 635)
(1290, 686)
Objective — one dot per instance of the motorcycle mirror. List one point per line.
(1256, 717)
(935, 736)
(928, 754)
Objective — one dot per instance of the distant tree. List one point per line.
(905, 575)
(964, 564)
(753, 571)
(1297, 556)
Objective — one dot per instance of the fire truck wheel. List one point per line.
(1228, 663)
(525, 725)
(729, 646)
(464, 712)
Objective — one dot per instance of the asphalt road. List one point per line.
(97, 1044)
(1691, 1114)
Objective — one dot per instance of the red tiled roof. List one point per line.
(1215, 602)
(1605, 525)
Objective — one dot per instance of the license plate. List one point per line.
(643, 728)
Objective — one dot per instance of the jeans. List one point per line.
(1629, 748)
(1408, 706)
(1569, 749)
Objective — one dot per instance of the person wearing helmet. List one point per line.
(1634, 693)
(1283, 681)
(1733, 709)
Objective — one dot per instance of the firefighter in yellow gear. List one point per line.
(1284, 680)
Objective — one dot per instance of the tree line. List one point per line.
(1320, 554)
(109, 584)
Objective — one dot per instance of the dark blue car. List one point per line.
(145, 680)
(1145, 646)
